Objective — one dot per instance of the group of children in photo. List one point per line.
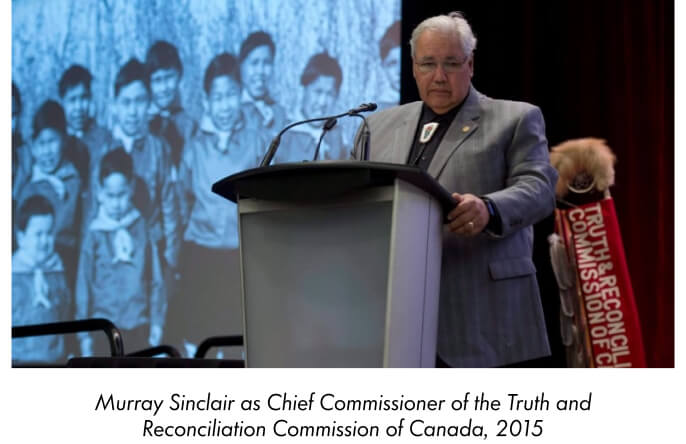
(120, 222)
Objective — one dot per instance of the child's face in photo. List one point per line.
(164, 85)
(76, 102)
(115, 195)
(131, 105)
(224, 102)
(319, 97)
(256, 71)
(47, 150)
(37, 239)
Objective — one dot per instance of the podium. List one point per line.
(340, 263)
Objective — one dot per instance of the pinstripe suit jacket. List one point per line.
(490, 311)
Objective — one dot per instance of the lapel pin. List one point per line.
(465, 129)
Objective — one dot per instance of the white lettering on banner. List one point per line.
(602, 297)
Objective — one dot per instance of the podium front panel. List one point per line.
(315, 281)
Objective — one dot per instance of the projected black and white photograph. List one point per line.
(124, 113)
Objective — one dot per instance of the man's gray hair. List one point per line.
(453, 22)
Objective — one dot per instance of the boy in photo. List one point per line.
(151, 160)
(321, 80)
(119, 275)
(74, 89)
(256, 60)
(168, 119)
(222, 146)
(39, 287)
(52, 175)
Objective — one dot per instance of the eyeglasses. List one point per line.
(450, 66)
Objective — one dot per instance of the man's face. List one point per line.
(224, 102)
(256, 71)
(391, 67)
(164, 85)
(46, 150)
(115, 195)
(319, 97)
(441, 69)
(76, 102)
(131, 105)
(38, 239)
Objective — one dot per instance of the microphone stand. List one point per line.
(363, 141)
(327, 126)
(277, 140)
(271, 151)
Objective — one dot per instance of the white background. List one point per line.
(52, 406)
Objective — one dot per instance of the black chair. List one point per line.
(143, 358)
(68, 327)
(218, 341)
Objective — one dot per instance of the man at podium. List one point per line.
(493, 155)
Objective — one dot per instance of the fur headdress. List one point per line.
(583, 164)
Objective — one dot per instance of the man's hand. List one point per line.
(470, 215)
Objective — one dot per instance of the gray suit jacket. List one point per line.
(490, 310)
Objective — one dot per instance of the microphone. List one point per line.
(365, 107)
(274, 145)
(327, 126)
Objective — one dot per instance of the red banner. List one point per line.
(606, 299)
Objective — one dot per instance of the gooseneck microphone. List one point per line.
(363, 141)
(277, 140)
(327, 126)
(274, 145)
(365, 107)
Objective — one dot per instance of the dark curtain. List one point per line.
(596, 69)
